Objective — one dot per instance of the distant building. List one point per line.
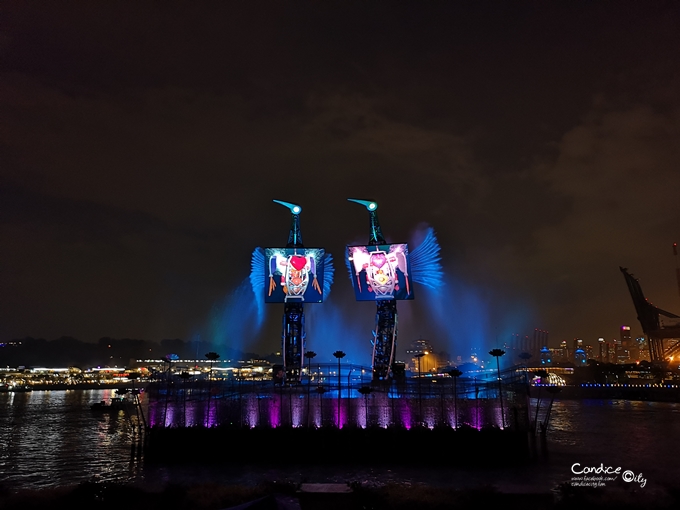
(579, 357)
(428, 362)
(526, 344)
(601, 346)
(546, 356)
(625, 354)
(589, 351)
(642, 348)
(565, 350)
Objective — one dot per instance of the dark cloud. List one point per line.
(141, 146)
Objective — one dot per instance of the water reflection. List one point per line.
(52, 438)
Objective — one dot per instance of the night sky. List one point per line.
(142, 143)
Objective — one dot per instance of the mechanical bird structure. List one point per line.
(293, 275)
(385, 273)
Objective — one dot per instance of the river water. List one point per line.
(52, 438)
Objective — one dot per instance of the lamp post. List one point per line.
(309, 355)
(320, 390)
(339, 355)
(185, 376)
(420, 393)
(212, 357)
(349, 396)
(497, 353)
(365, 391)
(455, 373)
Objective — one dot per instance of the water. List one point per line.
(52, 439)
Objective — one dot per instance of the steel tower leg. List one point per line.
(385, 340)
(655, 349)
(293, 339)
(293, 330)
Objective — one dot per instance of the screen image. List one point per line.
(380, 272)
(293, 275)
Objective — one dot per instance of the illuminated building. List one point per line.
(625, 352)
(546, 356)
(579, 357)
(565, 350)
(428, 362)
(589, 351)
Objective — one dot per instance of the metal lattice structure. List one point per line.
(652, 326)
(297, 268)
(472, 400)
(293, 327)
(385, 332)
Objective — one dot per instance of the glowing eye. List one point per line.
(372, 205)
(296, 209)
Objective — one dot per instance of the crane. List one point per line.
(652, 325)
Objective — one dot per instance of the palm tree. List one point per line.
(212, 357)
(309, 355)
(365, 391)
(455, 373)
(497, 353)
(339, 355)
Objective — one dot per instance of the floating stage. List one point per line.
(308, 411)
(347, 418)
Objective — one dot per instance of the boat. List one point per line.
(114, 405)
(15, 388)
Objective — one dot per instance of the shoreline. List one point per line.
(570, 392)
(331, 496)
(85, 386)
(612, 392)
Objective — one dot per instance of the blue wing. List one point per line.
(257, 274)
(426, 267)
(328, 272)
(348, 264)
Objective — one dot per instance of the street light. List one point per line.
(309, 355)
(339, 355)
(420, 393)
(497, 353)
(349, 396)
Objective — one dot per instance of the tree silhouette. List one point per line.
(497, 353)
(455, 374)
(339, 355)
